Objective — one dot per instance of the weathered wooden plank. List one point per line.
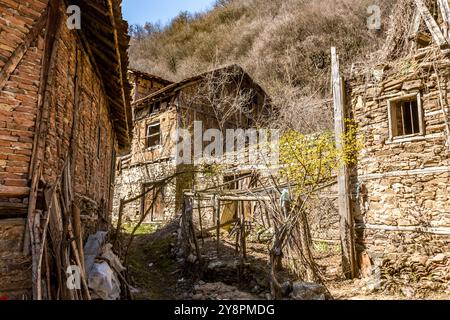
(445, 12)
(419, 229)
(346, 221)
(414, 30)
(432, 25)
(21, 50)
(119, 60)
(10, 209)
(13, 192)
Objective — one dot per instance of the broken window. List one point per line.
(153, 135)
(405, 116)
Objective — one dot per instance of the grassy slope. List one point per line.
(284, 44)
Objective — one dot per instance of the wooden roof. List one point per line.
(417, 24)
(149, 76)
(106, 34)
(175, 87)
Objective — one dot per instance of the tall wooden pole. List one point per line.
(217, 217)
(346, 219)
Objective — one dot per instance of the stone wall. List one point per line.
(130, 181)
(401, 185)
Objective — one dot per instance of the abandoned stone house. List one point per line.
(209, 98)
(400, 186)
(64, 116)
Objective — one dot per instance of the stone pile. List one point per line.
(421, 274)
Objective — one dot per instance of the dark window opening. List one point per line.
(156, 107)
(405, 118)
(153, 135)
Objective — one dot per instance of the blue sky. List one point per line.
(141, 11)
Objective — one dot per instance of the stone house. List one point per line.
(158, 116)
(400, 186)
(64, 117)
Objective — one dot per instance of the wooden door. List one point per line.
(156, 213)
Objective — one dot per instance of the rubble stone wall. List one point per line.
(130, 183)
(401, 186)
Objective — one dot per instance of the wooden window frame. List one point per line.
(393, 104)
(148, 136)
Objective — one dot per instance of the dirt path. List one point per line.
(152, 269)
(157, 275)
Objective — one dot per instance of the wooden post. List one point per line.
(119, 221)
(346, 218)
(16, 57)
(243, 244)
(194, 236)
(217, 216)
(432, 25)
(445, 11)
(200, 219)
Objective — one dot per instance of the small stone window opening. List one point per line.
(153, 135)
(406, 118)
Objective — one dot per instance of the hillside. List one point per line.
(283, 44)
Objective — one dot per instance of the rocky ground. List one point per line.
(155, 273)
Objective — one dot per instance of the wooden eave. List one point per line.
(106, 34)
(175, 87)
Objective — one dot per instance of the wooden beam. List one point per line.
(243, 244)
(217, 216)
(445, 12)
(445, 231)
(200, 219)
(432, 25)
(414, 30)
(53, 22)
(22, 49)
(223, 225)
(346, 220)
(11, 209)
(119, 61)
(13, 192)
(229, 197)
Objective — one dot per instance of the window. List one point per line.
(405, 116)
(153, 135)
(156, 107)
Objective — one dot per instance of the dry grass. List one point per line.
(283, 44)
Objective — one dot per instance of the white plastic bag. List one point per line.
(104, 282)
